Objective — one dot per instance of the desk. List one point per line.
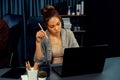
(111, 71)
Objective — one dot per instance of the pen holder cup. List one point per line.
(46, 68)
(32, 74)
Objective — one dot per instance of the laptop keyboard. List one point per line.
(57, 69)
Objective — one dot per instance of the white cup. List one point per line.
(32, 74)
(42, 78)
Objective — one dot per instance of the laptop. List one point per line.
(82, 60)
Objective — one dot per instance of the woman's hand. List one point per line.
(40, 35)
(36, 65)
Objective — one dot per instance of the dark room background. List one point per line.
(100, 26)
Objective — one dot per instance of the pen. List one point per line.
(41, 28)
(28, 65)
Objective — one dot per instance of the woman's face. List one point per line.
(54, 25)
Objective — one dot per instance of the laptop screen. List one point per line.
(83, 60)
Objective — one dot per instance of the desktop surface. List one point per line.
(111, 71)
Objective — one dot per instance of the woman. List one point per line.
(55, 39)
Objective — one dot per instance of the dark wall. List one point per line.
(98, 22)
(102, 24)
(115, 30)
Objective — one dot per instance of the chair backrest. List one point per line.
(32, 28)
(4, 33)
(4, 53)
(15, 37)
(12, 20)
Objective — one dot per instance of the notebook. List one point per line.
(82, 60)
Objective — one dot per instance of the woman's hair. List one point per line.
(48, 12)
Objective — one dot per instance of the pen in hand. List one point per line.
(42, 29)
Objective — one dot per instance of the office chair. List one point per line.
(15, 43)
(4, 34)
(32, 28)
